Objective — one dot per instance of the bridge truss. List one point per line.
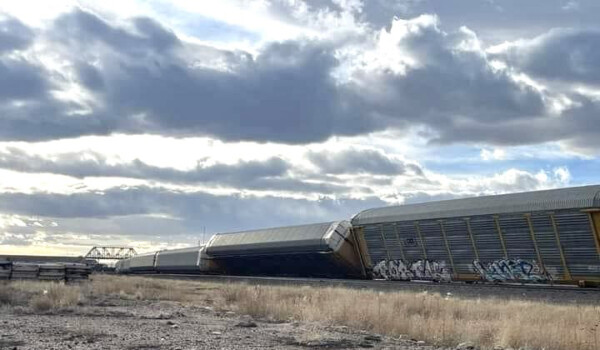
(113, 253)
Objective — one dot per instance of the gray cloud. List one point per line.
(21, 81)
(576, 126)
(76, 165)
(144, 82)
(565, 55)
(14, 35)
(197, 209)
(143, 79)
(356, 161)
(85, 30)
(271, 174)
(494, 20)
(285, 94)
(453, 87)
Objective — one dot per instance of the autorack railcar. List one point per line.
(122, 266)
(190, 260)
(323, 249)
(544, 236)
(143, 263)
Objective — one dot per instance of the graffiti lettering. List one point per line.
(511, 270)
(400, 270)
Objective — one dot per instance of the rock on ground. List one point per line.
(138, 325)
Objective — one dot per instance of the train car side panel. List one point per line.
(578, 243)
(315, 250)
(187, 260)
(540, 237)
(143, 263)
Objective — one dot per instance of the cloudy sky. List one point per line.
(147, 123)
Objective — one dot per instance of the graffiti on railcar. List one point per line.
(511, 270)
(401, 270)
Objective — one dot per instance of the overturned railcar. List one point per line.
(190, 260)
(143, 263)
(544, 236)
(316, 250)
(122, 266)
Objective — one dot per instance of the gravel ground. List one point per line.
(124, 324)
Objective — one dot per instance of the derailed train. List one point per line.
(550, 236)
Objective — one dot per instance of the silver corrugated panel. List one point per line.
(125, 265)
(434, 243)
(460, 244)
(297, 239)
(177, 258)
(567, 198)
(392, 241)
(142, 261)
(578, 243)
(374, 241)
(411, 242)
(517, 237)
(487, 240)
(547, 245)
(118, 266)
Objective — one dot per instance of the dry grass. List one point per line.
(57, 297)
(138, 288)
(41, 296)
(437, 319)
(6, 294)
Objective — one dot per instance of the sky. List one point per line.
(155, 124)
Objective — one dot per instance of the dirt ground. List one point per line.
(133, 312)
(113, 323)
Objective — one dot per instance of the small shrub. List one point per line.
(41, 303)
(6, 294)
(56, 296)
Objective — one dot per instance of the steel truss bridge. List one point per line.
(112, 253)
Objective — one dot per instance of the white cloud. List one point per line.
(562, 174)
(494, 154)
(571, 5)
(35, 13)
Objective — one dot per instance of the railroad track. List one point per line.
(526, 291)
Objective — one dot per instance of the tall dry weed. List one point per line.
(56, 297)
(441, 320)
(138, 288)
(6, 294)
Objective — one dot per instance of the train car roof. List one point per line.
(180, 250)
(585, 197)
(143, 254)
(298, 238)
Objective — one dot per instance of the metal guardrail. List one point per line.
(43, 272)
